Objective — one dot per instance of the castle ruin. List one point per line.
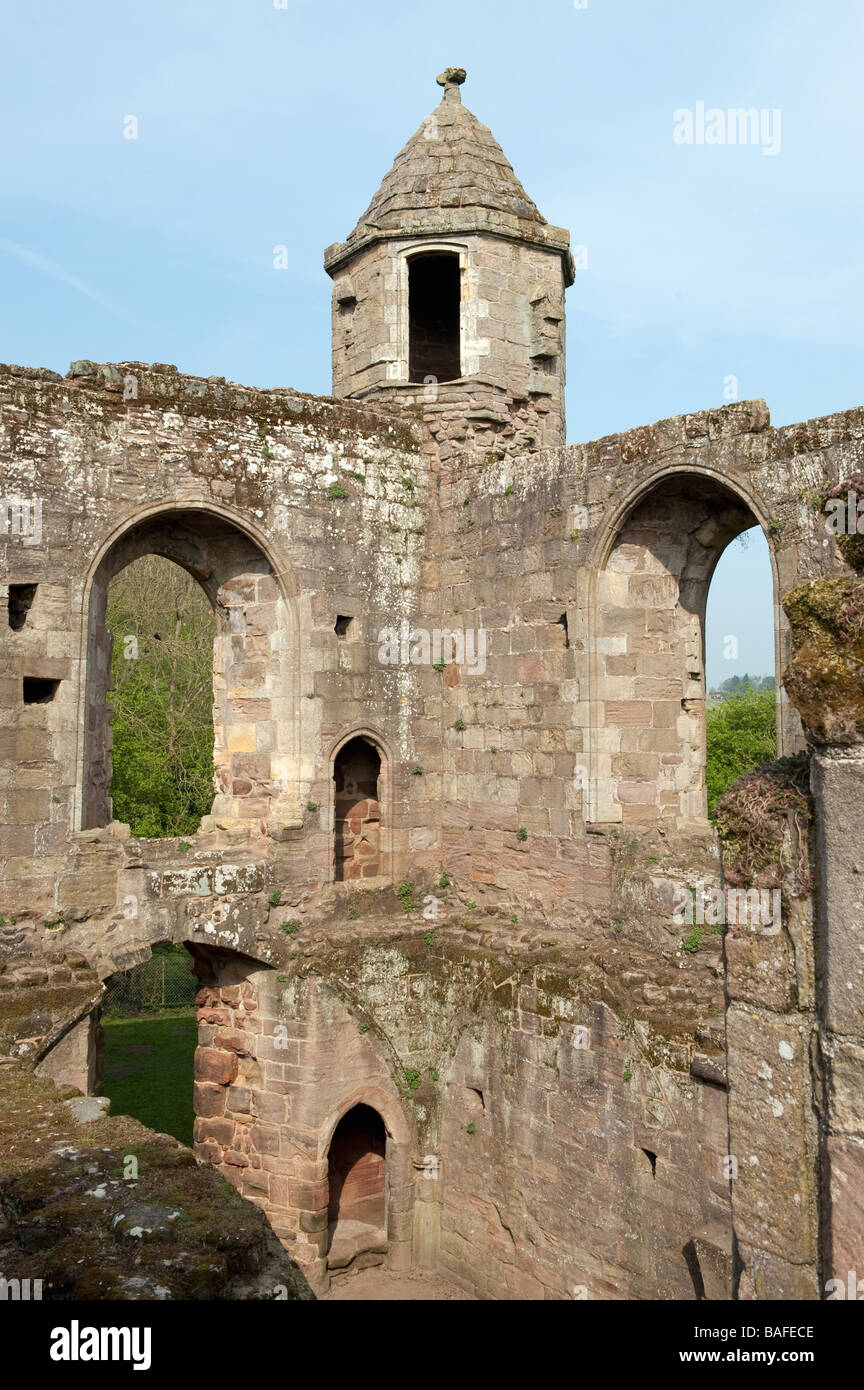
(459, 669)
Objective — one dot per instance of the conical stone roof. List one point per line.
(451, 176)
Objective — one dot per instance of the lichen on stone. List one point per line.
(825, 678)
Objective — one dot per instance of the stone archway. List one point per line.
(361, 814)
(357, 1186)
(647, 660)
(256, 772)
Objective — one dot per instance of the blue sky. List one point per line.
(261, 126)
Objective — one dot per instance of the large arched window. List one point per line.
(255, 772)
(162, 626)
(741, 708)
(647, 761)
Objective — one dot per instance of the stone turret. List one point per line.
(450, 290)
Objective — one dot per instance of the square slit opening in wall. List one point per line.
(562, 622)
(343, 624)
(38, 690)
(21, 598)
(652, 1159)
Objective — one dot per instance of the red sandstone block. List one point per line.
(237, 1160)
(208, 1152)
(218, 1016)
(209, 1100)
(232, 1041)
(635, 793)
(215, 1066)
(265, 1138)
(219, 1131)
(624, 713)
(308, 1197)
(273, 1109)
(278, 1190)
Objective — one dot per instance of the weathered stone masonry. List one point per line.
(561, 1085)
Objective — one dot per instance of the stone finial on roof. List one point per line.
(451, 80)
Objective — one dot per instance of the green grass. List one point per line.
(157, 1090)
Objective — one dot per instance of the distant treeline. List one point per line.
(737, 685)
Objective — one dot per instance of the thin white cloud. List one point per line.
(56, 272)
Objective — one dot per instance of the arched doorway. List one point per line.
(357, 840)
(357, 1176)
(148, 1038)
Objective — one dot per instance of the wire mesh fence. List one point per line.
(165, 981)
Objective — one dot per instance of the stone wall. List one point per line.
(546, 789)
(539, 1145)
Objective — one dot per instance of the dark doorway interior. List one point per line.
(434, 294)
(357, 1213)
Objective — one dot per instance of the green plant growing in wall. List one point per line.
(444, 881)
(429, 938)
(352, 917)
(336, 490)
(439, 664)
(290, 928)
(628, 1072)
(184, 846)
(275, 898)
(459, 725)
(692, 942)
(405, 894)
(471, 1129)
(417, 770)
(412, 1078)
(522, 833)
(408, 483)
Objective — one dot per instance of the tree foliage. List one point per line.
(162, 668)
(741, 735)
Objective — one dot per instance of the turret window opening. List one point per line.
(434, 297)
